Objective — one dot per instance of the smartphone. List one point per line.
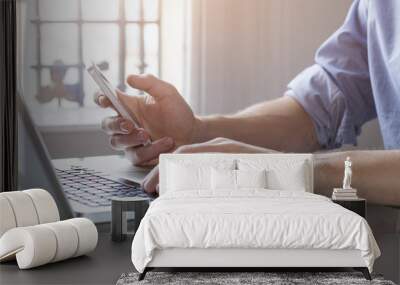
(111, 93)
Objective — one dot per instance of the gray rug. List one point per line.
(231, 278)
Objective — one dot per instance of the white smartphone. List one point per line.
(110, 92)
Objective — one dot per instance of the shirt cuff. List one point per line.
(327, 107)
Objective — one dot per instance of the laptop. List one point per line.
(81, 187)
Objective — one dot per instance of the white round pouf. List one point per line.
(41, 244)
(67, 239)
(32, 233)
(23, 208)
(87, 234)
(45, 205)
(7, 218)
(32, 246)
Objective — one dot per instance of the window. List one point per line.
(62, 36)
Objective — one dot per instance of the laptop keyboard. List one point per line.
(90, 188)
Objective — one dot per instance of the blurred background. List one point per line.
(61, 37)
(221, 55)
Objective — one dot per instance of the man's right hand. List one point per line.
(162, 113)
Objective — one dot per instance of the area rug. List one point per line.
(243, 278)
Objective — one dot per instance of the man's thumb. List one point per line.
(151, 85)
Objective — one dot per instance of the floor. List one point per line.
(385, 223)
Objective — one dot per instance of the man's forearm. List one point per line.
(376, 174)
(283, 125)
(279, 124)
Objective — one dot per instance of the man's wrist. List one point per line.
(328, 170)
(209, 127)
(199, 130)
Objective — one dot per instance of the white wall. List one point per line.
(246, 51)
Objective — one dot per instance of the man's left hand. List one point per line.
(222, 145)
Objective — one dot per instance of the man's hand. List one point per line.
(162, 113)
(150, 183)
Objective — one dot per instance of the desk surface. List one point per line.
(102, 266)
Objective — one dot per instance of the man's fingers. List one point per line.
(135, 138)
(117, 125)
(223, 145)
(141, 155)
(131, 104)
(150, 183)
(102, 100)
(151, 85)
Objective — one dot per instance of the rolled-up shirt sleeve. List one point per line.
(336, 91)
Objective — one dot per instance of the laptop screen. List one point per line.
(35, 167)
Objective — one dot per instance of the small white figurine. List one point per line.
(347, 174)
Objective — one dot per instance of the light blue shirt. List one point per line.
(356, 77)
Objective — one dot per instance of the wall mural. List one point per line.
(59, 90)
